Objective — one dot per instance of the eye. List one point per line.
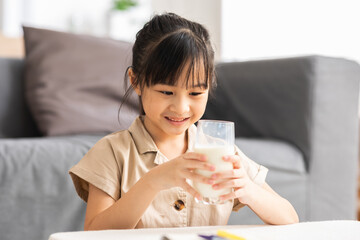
(166, 92)
(195, 93)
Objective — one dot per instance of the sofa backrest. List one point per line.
(15, 118)
(287, 98)
(265, 99)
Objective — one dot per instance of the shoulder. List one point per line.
(111, 146)
(117, 139)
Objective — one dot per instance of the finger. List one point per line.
(191, 164)
(235, 173)
(198, 177)
(228, 196)
(195, 156)
(234, 183)
(191, 190)
(238, 193)
(234, 159)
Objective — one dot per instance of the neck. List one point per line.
(170, 145)
(173, 148)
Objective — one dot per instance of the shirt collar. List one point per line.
(142, 138)
(145, 143)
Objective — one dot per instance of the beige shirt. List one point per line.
(117, 161)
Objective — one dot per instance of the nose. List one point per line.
(180, 105)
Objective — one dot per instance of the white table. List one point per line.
(328, 230)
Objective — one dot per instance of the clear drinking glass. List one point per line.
(215, 139)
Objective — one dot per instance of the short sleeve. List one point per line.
(257, 173)
(98, 167)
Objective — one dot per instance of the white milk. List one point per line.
(214, 155)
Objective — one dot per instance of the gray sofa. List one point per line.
(297, 116)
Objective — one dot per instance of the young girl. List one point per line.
(139, 177)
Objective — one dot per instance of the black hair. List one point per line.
(164, 47)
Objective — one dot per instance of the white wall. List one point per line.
(261, 28)
(89, 17)
(1, 14)
(12, 10)
(240, 29)
(81, 15)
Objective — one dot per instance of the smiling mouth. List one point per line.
(177, 119)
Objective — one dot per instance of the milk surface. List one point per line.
(214, 155)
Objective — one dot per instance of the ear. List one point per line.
(132, 82)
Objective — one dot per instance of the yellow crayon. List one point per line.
(224, 234)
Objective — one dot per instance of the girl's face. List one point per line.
(171, 110)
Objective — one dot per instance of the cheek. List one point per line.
(145, 103)
(200, 106)
(151, 105)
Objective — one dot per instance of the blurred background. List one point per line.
(240, 29)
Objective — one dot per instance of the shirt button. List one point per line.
(179, 205)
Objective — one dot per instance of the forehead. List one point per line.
(192, 75)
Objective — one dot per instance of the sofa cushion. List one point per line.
(36, 190)
(273, 154)
(287, 174)
(75, 83)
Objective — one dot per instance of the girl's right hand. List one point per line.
(175, 172)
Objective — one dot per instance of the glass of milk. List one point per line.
(215, 139)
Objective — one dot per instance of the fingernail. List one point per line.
(211, 181)
(225, 157)
(215, 186)
(212, 168)
(203, 157)
(214, 176)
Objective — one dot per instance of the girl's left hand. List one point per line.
(237, 179)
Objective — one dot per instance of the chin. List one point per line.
(178, 131)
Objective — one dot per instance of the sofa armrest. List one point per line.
(333, 132)
(15, 118)
(310, 102)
